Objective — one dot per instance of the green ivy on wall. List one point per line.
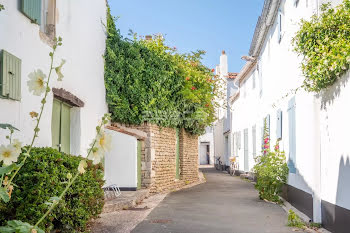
(147, 81)
(324, 43)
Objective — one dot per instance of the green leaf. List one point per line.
(7, 230)
(16, 226)
(8, 126)
(4, 195)
(7, 169)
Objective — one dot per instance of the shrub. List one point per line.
(44, 176)
(294, 220)
(271, 171)
(324, 43)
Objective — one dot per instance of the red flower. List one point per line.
(266, 146)
(212, 70)
(187, 78)
(266, 140)
(193, 88)
(207, 105)
(277, 147)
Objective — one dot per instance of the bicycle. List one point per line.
(218, 163)
(233, 165)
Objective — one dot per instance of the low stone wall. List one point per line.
(159, 158)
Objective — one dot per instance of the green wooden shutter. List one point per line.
(55, 124)
(65, 128)
(60, 126)
(177, 158)
(10, 76)
(292, 136)
(32, 9)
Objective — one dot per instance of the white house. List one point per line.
(222, 127)
(312, 128)
(74, 107)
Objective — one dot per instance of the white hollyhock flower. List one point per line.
(36, 82)
(96, 155)
(82, 166)
(58, 70)
(8, 154)
(104, 141)
(18, 145)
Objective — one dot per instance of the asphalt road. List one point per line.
(222, 204)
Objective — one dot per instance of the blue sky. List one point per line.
(210, 25)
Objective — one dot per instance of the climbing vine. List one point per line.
(148, 81)
(324, 43)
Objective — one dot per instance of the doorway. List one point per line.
(204, 152)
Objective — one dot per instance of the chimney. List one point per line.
(148, 37)
(223, 64)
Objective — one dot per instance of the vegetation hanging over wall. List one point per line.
(324, 43)
(147, 81)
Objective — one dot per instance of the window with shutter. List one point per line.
(32, 9)
(292, 136)
(279, 124)
(10, 76)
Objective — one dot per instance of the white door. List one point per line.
(203, 153)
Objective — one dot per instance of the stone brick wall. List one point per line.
(159, 158)
(188, 157)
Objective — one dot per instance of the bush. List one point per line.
(44, 176)
(324, 44)
(271, 171)
(294, 220)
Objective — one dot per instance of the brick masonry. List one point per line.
(159, 158)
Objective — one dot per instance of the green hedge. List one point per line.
(43, 177)
(148, 81)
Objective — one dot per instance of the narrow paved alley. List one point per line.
(222, 204)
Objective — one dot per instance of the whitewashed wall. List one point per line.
(121, 161)
(80, 24)
(335, 146)
(219, 139)
(276, 74)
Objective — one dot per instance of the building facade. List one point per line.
(75, 105)
(222, 127)
(311, 128)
